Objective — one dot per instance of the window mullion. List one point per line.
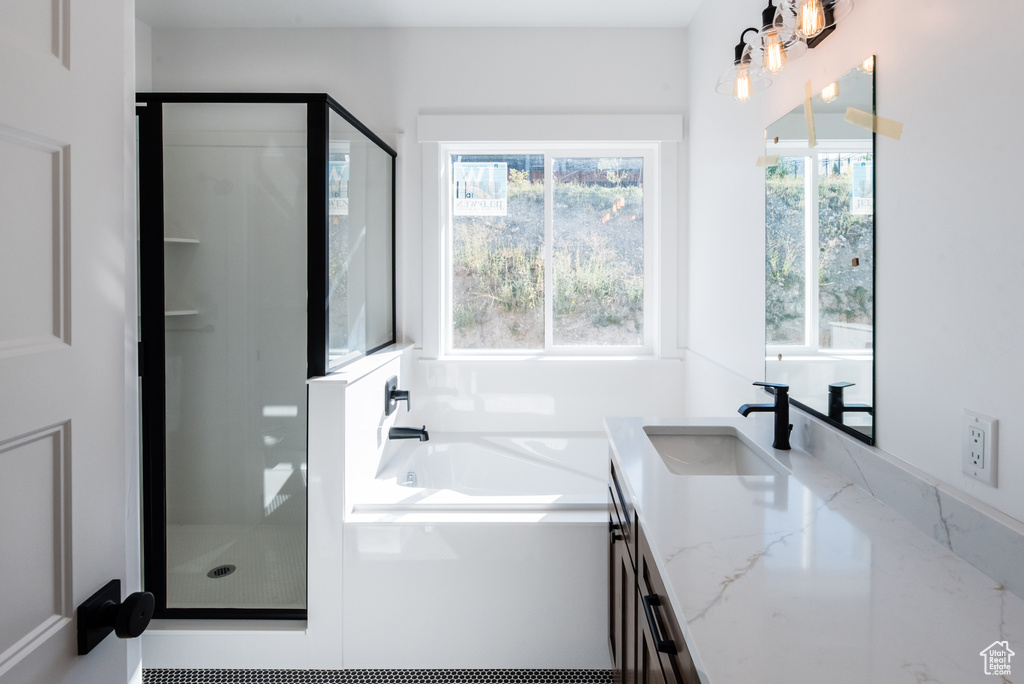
(549, 232)
(813, 255)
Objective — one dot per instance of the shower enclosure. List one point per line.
(266, 256)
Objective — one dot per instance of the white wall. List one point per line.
(143, 56)
(950, 252)
(387, 77)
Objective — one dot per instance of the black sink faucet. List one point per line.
(781, 410)
(837, 406)
(409, 433)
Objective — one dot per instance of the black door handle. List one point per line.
(651, 603)
(104, 612)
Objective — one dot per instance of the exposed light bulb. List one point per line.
(742, 87)
(868, 65)
(774, 53)
(810, 18)
(829, 92)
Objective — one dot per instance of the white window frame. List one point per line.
(811, 348)
(655, 134)
(551, 151)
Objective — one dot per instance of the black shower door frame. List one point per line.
(152, 371)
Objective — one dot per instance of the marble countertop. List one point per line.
(807, 578)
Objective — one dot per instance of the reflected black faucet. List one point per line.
(837, 407)
(409, 433)
(781, 410)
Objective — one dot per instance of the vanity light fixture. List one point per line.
(829, 92)
(777, 41)
(743, 78)
(787, 31)
(867, 66)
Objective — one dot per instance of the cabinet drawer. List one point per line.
(622, 514)
(657, 617)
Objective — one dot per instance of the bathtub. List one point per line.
(462, 473)
(491, 554)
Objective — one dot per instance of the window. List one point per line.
(820, 300)
(549, 248)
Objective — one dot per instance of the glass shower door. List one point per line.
(234, 254)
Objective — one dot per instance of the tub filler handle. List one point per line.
(393, 395)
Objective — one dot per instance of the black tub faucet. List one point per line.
(409, 433)
(781, 410)
(837, 406)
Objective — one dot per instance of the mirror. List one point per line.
(819, 254)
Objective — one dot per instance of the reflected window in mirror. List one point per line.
(819, 256)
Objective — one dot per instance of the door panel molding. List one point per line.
(30, 448)
(24, 28)
(26, 332)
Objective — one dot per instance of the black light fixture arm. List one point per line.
(740, 46)
(769, 15)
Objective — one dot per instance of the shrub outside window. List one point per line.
(549, 249)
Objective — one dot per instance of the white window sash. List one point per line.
(647, 151)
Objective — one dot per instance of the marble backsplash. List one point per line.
(987, 539)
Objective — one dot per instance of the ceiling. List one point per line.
(415, 13)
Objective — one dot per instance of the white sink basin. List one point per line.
(711, 450)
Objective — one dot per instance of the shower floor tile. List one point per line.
(152, 676)
(269, 560)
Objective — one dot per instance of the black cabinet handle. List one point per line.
(651, 603)
(613, 531)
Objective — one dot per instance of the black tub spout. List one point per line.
(409, 433)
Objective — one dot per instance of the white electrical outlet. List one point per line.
(978, 447)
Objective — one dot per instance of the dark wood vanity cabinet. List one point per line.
(622, 610)
(621, 586)
(660, 631)
(645, 641)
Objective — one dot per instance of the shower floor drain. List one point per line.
(221, 571)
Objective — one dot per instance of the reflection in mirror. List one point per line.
(819, 255)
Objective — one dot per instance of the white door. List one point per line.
(67, 502)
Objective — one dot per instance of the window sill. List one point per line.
(639, 357)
